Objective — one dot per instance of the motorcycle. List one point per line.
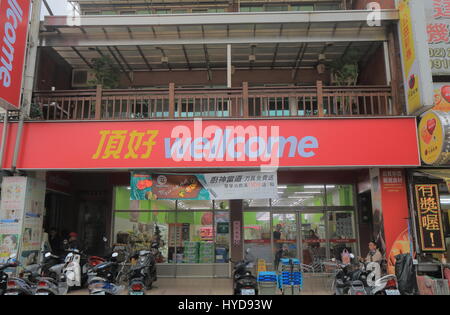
(3, 275)
(25, 283)
(76, 277)
(103, 278)
(136, 284)
(244, 283)
(52, 280)
(350, 279)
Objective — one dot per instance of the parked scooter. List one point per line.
(75, 276)
(350, 279)
(25, 283)
(244, 282)
(136, 284)
(103, 278)
(52, 280)
(3, 275)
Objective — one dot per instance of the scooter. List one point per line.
(52, 280)
(103, 278)
(3, 275)
(386, 285)
(350, 280)
(244, 283)
(136, 284)
(25, 284)
(75, 276)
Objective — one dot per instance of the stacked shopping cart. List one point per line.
(267, 283)
(290, 278)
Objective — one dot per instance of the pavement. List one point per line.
(206, 286)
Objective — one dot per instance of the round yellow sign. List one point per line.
(431, 137)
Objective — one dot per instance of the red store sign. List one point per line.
(14, 17)
(216, 143)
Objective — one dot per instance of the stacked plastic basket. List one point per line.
(290, 278)
(267, 283)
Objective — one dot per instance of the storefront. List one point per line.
(312, 209)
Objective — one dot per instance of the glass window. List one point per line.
(195, 232)
(109, 12)
(139, 228)
(122, 202)
(299, 196)
(127, 12)
(257, 235)
(195, 205)
(254, 203)
(273, 8)
(222, 221)
(165, 11)
(339, 195)
(221, 204)
(302, 8)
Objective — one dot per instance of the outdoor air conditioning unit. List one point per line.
(82, 78)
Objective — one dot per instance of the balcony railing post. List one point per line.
(245, 98)
(98, 102)
(171, 100)
(319, 86)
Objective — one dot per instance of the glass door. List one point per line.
(314, 238)
(342, 233)
(284, 236)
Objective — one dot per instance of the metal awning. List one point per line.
(192, 41)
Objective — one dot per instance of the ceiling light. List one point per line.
(314, 186)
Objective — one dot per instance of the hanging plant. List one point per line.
(106, 73)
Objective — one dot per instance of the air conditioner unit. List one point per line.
(82, 78)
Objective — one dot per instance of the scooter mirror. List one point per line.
(114, 255)
(352, 256)
(333, 259)
(47, 255)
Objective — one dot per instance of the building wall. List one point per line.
(52, 71)
(374, 72)
(385, 4)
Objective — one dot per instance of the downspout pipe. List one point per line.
(18, 142)
(4, 137)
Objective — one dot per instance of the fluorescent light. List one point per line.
(314, 186)
(282, 187)
(129, 188)
(308, 192)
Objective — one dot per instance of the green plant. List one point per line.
(345, 70)
(35, 111)
(106, 73)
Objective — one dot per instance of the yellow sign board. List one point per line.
(432, 138)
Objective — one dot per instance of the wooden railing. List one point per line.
(243, 102)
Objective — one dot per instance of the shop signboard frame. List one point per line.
(429, 218)
(368, 142)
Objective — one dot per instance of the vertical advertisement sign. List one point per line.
(14, 17)
(430, 218)
(390, 206)
(417, 77)
(21, 218)
(11, 215)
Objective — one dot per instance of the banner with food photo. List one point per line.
(218, 186)
(442, 97)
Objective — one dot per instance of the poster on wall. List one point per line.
(434, 137)
(21, 218)
(390, 213)
(11, 215)
(430, 218)
(217, 186)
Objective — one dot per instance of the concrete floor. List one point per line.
(206, 286)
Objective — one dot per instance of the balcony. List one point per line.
(235, 103)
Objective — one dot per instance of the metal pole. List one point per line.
(18, 142)
(4, 137)
(229, 66)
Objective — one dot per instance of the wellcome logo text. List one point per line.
(212, 143)
(236, 143)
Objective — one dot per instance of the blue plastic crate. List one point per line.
(285, 261)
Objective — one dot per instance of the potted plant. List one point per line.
(345, 72)
(106, 73)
